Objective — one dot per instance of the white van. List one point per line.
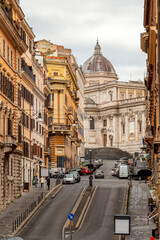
(123, 171)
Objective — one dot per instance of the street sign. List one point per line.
(71, 216)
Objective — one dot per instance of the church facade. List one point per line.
(114, 110)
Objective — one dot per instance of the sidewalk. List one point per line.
(16, 208)
(138, 210)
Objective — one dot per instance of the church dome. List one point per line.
(98, 63)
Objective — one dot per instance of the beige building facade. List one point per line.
(114, 110)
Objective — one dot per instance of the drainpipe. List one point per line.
(158, 78)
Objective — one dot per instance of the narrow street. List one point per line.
(49, 220)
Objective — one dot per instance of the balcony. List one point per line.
(47, 151)
(60, 128)
(7, 8)
(70, 111)
(28, 70)
(46, 83)
(9, 143)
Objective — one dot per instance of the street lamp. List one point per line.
(90, 176)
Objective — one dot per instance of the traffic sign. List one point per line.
(71, 216)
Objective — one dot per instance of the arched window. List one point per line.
(91, 123)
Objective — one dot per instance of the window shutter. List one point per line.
(31, 99)
(19, 134)
(9, 127)
(7, 87)
(40, 152)
(31, 124)
(0, 81)
(23, 148)
(12, 93)
(32, 149)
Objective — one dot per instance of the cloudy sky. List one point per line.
(76, 24)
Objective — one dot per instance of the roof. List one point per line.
(98, 63)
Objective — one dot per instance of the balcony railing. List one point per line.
(28, 70)
(60, 128)
(46, 82)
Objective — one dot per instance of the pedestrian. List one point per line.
(36, 181)
(42, 182)
(48, 182)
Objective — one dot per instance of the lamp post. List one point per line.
(90, 176)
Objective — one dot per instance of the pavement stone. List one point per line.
(18, 206)
(138, 210)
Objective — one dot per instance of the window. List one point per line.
(4, 125)
(123, 128)
(130, 96)
(27, 121)
(55, 74)
(44, 46)
(4, 45)
(8, 53)
(19, 134)
(9, 127)
(111, 97)
(105, 123)
(122, 95)
(18, 65)
(11, 58)
(140, 127)
(91, 123)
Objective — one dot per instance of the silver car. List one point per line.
(69, 178)
(76, 175)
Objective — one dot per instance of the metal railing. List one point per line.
(20, 219)
(29, 72)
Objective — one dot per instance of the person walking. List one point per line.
(42, 182)
(36, 181)
(48, 182)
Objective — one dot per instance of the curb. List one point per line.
(59, 187)
(125, 202)
(127, 199)
(82, 215)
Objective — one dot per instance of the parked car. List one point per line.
(86, 171)
(77, 170)
(99, 174)
(57, 174)
(69, 178)
(14, 238)
(115, 171)
(76, 175)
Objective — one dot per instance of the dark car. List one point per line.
(77, 170)
(99, 174)
(57, 175)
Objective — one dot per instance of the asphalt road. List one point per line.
(108, 201)
(48, 222)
